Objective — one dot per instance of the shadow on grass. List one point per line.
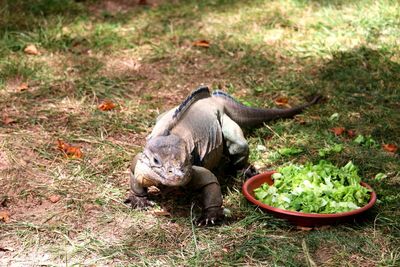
(363, 70)
(25, 16)
(366, 81)
(362, 80)
(362, 84)
(20, 15)
(44, 21)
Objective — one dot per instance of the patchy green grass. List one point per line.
(142, 59)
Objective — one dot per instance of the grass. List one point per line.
(142, 58)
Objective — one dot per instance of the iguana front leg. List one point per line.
(205, 180)
(236, 143)
(138, 195)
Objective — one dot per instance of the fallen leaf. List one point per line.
(314, 117)
(360, 139)
(299, 119)
(366, 141)
(390, 148)
(261, 148)
(7, 120)
(334, 117)
(304, 228)
(351, 133)
(31, 50)
(337, 148)
(91, 207)
(70, 151)
(4, 216)
(201, 43)
(106, 105)
(22, 87)
(161, 213)
(290, 151)
(282, 101)
(338, 130)
(54, 198)
(380, 176)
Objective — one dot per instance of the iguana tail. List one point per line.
(248, 116)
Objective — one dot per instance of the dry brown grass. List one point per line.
(142, 59)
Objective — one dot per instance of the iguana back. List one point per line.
(189, 140)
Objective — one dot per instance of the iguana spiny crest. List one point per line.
(189, 141)
(164, 157)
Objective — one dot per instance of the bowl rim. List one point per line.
(252, 199)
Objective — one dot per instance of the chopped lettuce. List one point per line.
(337, 148)
(320, 188)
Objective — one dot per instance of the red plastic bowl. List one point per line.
(301, 218)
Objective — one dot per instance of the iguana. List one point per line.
(189, 141)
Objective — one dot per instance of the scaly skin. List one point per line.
(188, 141)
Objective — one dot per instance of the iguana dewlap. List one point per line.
(188, 141)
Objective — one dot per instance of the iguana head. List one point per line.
(164, 161)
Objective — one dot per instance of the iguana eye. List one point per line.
(156, 161)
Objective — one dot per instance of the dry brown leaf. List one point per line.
(390, 148)
(282, 101)
(161, 213)
(338, 130)
(91, 207)
(304, 228)
(351, 133)
(69, 151)
(7, 120)
(299, 119)
(31, 50)
(54, 198)
(22, 87)
(225, 249)
(201, 43)
(315, 117)
(106, 105)
(4, 216)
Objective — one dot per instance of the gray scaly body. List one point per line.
(188, 141)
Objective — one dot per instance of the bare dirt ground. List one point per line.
(57, 210)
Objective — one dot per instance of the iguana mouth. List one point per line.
(174, 179)
(148, 175)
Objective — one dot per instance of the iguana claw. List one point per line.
(139, 202)
(211, 216)
(249, 172)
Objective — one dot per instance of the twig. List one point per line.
(310, 262)
(275, 133)
(192, 222)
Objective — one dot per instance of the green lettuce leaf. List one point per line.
(319, 188)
